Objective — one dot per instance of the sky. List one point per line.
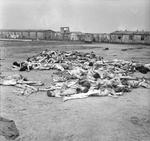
(95, 16)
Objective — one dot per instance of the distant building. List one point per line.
(95, 37)
(142, 37)
(88, 37)
(75, 36)
(27, 34)
(101, 37)
(58, 36)
(65, 31)
(130, 37)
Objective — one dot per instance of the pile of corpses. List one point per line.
(67, 60)
(26, 87)
(82, 75)
(102, 79)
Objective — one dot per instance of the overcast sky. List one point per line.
(80, 15)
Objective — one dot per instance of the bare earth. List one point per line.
(41, 118)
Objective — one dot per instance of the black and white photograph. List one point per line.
(74, 70)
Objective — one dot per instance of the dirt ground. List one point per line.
(41, 118)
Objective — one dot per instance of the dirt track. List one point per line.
(40, 118)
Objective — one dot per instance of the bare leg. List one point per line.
(35, 83)
(76, 96)
(81, 95)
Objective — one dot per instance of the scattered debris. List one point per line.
(124, 49)
(8, 129)
(106, 48)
